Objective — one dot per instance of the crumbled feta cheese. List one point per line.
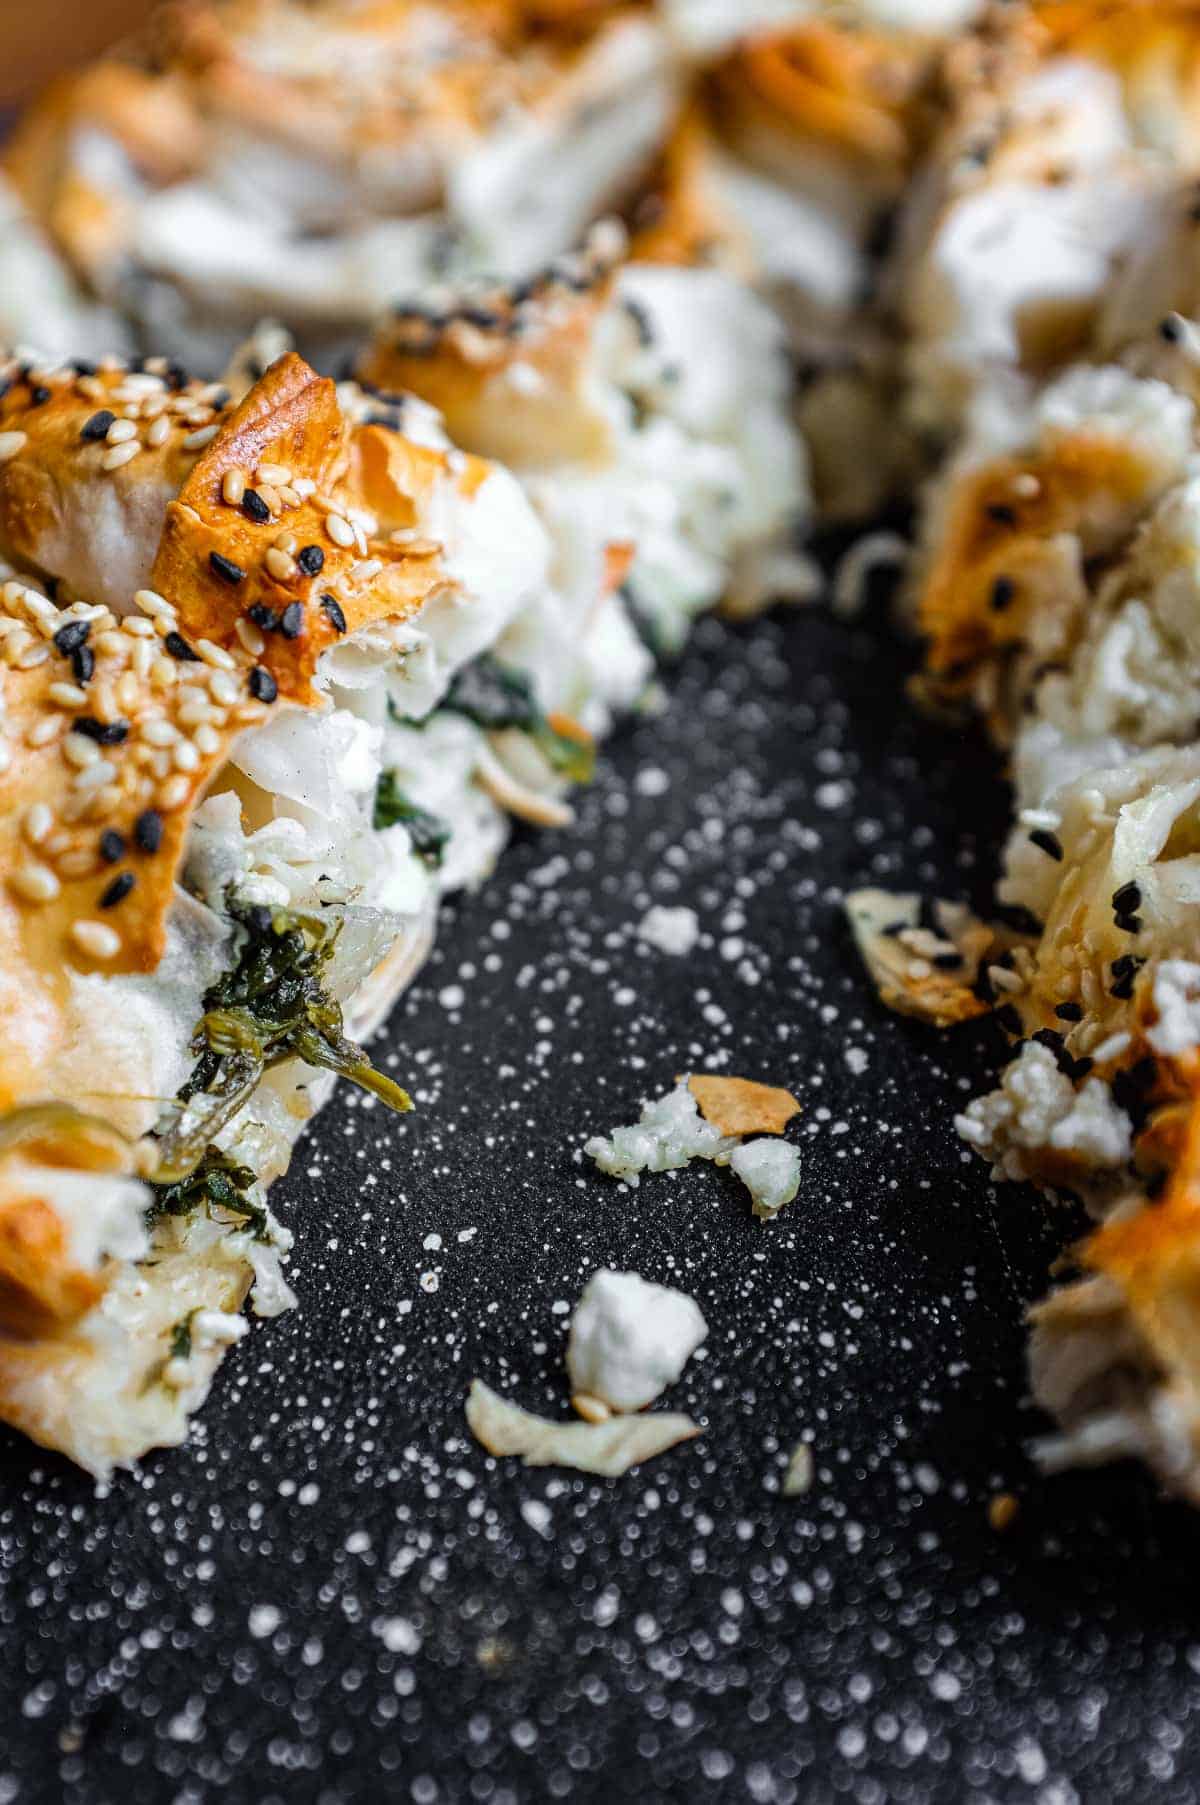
(1038, 1110)
(670, 1132)
(770, 1171)
(670, 930)
(630, 1339)
(607, 1449)
(1176, 996)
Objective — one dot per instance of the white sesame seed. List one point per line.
(144, 654)
(206, 740)
(288, 543)
(39, 819)
(269, 497)
(5, 756)
(273, 473)
(120, 454)
(10, 444)
(288, 496)
(138, 626)
(35, 883)
(225, 688)
(192, 714)
(150, 602)
(96, 939)
(281, 567)
(121, 432)
(174, 792)
(110, 641)
(96, 777)
(79, 751)
(250, 636)
(164, 673)
(215, 655)
(43, 731)
(339, 530)
(67, 695)
(304, 486)
(44, 612)
(248, 712)
(80, 862)
(158, 733)
(185, 756)
(233, 486)
(204, 435)
(32, 657)
(159, 431)
(365, 569)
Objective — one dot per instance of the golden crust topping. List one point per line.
(113, 728)
(739, 1106)
(507, 365)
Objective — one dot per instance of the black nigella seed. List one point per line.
(1079, 1068)
(1130, 924)
(1003, 594)
(112, 846)
(291, 621)
(118, 890)
(263, 617)
(946, 961)
(311, 560)
(83, 663)
(225, 568)
(83, 366)
(105, 733)
(1127, 899)
(263, 686)
(148, 830)
(333, 610)
(68, 639)
(1046, 842)
(1001, 513)
(39, 395)
(1171, 329)
(1069, 1012)
(1048, 1037)
(254, 507)
(178, 647)
(97, 427)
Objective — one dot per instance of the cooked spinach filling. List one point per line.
(497, 696)
(429, 833)
(271, 1006)
(216, 1183)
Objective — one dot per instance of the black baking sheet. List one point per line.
(333, 1594)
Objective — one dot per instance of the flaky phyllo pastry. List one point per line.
(279, 661)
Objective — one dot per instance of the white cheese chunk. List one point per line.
(770, 1171)
(630, 1339)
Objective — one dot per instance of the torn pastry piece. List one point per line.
(1113, 1355)
(646, 411)
(1020, 530)
(737, 1106)
(314, 161)
(203, 904)
(1063, 123)
(606, 1449)
(926, 959)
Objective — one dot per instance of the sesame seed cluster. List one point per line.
(128, 729)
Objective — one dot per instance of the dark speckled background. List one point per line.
(333, 1594)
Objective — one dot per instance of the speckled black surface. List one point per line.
(333, 1594)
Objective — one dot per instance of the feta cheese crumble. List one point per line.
(668, 1134)
(670, 930)
(770, 1171)
(630, 1339)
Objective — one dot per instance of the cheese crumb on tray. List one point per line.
(629, 1340)
(606, 1449)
